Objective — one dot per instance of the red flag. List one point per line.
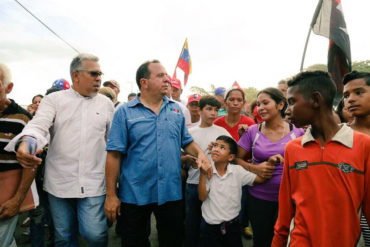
(184, 62)
(236, 84)
(328, 21)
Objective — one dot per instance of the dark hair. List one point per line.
(143, 71)
(131, 95)
(39, 95)
(339, 110)
(232, 143)
(53, 90)
(357, 75)
(309, 82)
(232, 90)
(209, 100)
(277, 96)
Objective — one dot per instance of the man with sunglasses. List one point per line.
(78, 120)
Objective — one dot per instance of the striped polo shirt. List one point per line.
(12, 121)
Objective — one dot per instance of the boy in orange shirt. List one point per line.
(326, 174)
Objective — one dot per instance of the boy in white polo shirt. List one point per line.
(222, 193)
(203, 134)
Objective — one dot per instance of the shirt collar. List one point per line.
(71, 89)
(343, 136)
(228, 170)
(137, 101)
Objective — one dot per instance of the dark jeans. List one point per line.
(169, 219)
(213, 236)
(39, 217)
(263, 215)
(243, 215)
(193, 216)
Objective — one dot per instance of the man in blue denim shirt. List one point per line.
(144, 149)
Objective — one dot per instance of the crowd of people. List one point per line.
(282, 169)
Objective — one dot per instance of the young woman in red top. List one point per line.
(234, 120)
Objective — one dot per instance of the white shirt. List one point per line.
(224, 194)
(203, 137)
(186, 113)
(78, 125)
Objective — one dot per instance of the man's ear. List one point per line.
(143, 82)
(74, 76)
(9, 88)
(317, 100)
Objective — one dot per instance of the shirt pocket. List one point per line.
(99, 121)
(172, 124)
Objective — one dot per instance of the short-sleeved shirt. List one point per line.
(151, 147)
(234, 130)
(224, 194)
(262, 149)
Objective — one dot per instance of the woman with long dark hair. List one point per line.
(260, 142)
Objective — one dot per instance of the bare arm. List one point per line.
(202, 161)
(264, 170)
(202, 190)
(11, 207)
(112, 169)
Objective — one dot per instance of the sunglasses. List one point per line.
(92, 72)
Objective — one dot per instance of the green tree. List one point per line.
(202, 91)
(356, 65)
(250, 93)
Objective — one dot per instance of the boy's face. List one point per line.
(221, 152)
(299, 110)
(357, 97)
(193, 108)
(208, 114)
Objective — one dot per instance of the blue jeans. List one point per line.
(85, 215)
(7, 229)
(193, 216)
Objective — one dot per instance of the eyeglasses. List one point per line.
(92, 72)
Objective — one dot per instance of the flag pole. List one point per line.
(174, 73)
(305, 48)
(314, 18)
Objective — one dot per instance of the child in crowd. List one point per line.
(356, 95)
(326, 171)
(203, 135)
(222, 193)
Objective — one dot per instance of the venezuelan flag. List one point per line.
(184, 62)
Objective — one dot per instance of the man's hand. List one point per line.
(242, 128)
(112, 207)
(204, 164)
(10, 208)
(26, 159)
(188, 160)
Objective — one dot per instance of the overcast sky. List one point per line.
(256, 43)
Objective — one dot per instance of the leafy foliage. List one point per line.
(357, 65)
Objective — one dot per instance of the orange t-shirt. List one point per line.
(323, 189)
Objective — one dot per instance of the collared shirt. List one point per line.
(151, 147)
(76, 156)
(224, 194)
(323, 189)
